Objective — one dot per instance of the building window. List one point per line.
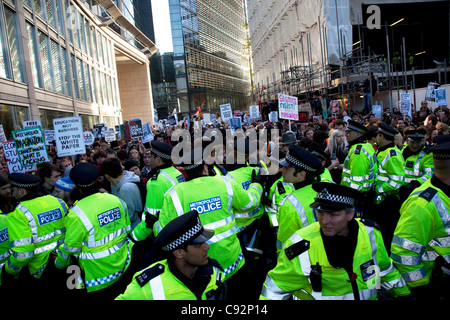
(45, 61)
(88, 121)
(14, 45)
(56, 54)
(32, 46)
(11, 117)
(47, 117)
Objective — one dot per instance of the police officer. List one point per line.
(36, 228)
(301, 168)
(360, 166)
(336, 258)
(216, 198)
(185, 266)
(418, 162)
(97, 228)
(162, 177)
(391, 176)
(317, 150)
(420, 246)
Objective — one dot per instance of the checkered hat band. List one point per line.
(86, 185)
(192, 166)
(444, 156)
(298, 163)
(334, 198)
(25, 185)
(350, 127)
(188, 235)
(159, 153)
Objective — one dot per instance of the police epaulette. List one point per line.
(370, 223)
(149, 273)
(280, 187)
(358, 149)
(155, 175)
(393, 153)
(428, 193)
(296, 249)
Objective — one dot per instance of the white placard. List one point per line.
(405, 103)
(110, 136)
(49, 137)
(440, 97)
(31, 123)
(88, 138)
(287, 107)
(69, 136)
(12, 159)
(254, 112)
(226, 112)
(2, 134)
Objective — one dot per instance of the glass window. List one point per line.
(100, 48)
(11, 117)
(33, 55)
(80, 77)
(65, 74)
(56, 66)
(38, 8)
(88, 121)
(82, 32)
(74, 17)
(88, 37)
(49, 11)
(68, 9)
(93, 85)
(14, 46)
(47, 117)
(45, 61)
(75, 77)
(110, 121)
(87, 80)
(4, 64)
(58, 17)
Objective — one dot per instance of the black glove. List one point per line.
(257, 178)
(151, 219)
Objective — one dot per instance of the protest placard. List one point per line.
(440, 97)
(110, 136)
(254, 112)
(287, 107)
(14, 165)
(136, 128)
(405, 103)
(148, 134)
(225, 112)
(2, 134)
(207, 117)
(30, 146)
(69, 136)
(49, 137)
(31, 123)
(235, 123)
(88, 138)
(376, 110)
(431, 87)
(99, 131)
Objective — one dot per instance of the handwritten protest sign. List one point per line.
(225, 112)
(31, 123)
(136, 130)
(148, 134)
(440, 97)
(287, 107)
(2, 134)
(69, 136)
(30, 146)
(110, 136)
(49, 137)
(9, 147)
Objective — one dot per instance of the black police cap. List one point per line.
(23, 180)
(441, 151)
(387, 130)
(333, 197)
(356, 126)
(302, 158)
(84, 174)
(184, 230)
(442, 138)
(416, 135)
(318, 151)
(161, 149)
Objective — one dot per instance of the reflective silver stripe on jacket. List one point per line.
(300, 210)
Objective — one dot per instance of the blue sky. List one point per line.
(161, 22)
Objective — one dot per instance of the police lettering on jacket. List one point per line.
(108, 216)
(206, 205)
(49, 216)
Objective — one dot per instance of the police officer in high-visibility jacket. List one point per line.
(185, 271)
(336, 258)
(301, 168)
(421, 244)
(391, 176)
(5, 208)
(418, 162)
(35, 228)
(162, 177)
(97, 229)
(360, 166)
(215, 198)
